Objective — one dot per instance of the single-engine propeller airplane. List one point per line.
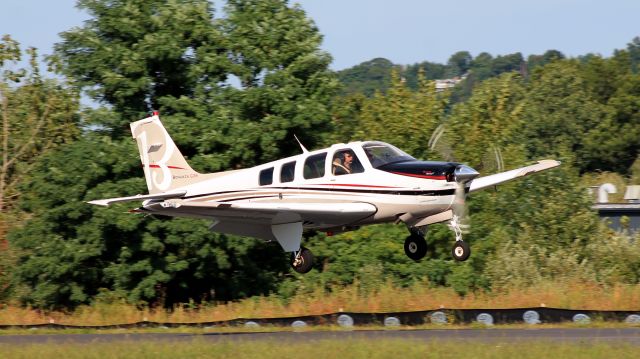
(333, 189)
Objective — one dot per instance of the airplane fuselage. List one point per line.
(408, 188)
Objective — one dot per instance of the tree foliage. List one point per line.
(176, 57)
(367, 77)
(37, 115)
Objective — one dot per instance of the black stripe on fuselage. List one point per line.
(444, 192)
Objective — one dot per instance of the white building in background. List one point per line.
(444, 84)
(623, 216)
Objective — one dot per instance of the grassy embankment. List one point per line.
(385, 348)
(387, 299)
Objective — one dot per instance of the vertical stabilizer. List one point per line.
(165, 168)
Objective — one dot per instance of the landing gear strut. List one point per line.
(415, 246)
(302, 260)
(461, 250)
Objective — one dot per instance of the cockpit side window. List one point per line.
(380, 154)
(314, 166)
(345, 162)
(287, 172)
(266, 176)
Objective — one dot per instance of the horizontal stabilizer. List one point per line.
(492, 180)
(139, 197)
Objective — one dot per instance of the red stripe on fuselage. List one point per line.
(172, 167)
(354, 185)
(420, 176)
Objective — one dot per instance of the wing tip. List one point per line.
(550, 163)
(99, 202)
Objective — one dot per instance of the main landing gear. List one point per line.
(415, 246)
(302, 260)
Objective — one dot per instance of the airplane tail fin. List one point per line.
(165, 168)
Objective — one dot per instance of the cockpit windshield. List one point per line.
(380, 154)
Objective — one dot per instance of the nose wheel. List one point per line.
(461, 251)
(302, 260)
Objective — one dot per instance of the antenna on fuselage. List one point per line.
(304, 150)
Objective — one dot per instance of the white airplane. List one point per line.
(333, 189)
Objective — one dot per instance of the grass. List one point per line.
(318, 328)
(387, 299)
(369, 349)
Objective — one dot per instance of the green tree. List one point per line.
(286, 84)
(558, 112)
(366, 78)
(613, 144)
(429, 70)
(173, 56)
(507, 63)
(37, 115)
(133, 55)
(459, 63)
(634, 52)
(534, 61)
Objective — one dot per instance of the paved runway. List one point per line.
(569, 335)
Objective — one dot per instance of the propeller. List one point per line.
(462, 175)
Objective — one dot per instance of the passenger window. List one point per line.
(287, 172)
(266, 176)
(314, 166)
(345, 162)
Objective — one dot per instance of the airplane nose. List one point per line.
(464, 174)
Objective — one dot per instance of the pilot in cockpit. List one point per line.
(342, 163)
(345, 162)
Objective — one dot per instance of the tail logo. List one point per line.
(160, 173)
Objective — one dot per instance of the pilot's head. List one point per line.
(347, 157)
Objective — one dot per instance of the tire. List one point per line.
(307, 261)
(461, 251)
(415, 247)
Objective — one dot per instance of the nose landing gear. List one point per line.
(461, 250)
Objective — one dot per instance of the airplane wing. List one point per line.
(139, 197)
(492, 180)
(274, 212)
(261, 219)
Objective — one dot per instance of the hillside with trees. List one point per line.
(375, 75)
(233, 90)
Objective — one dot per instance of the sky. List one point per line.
(404, 31)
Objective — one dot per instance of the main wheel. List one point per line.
(461, 251)
(304, 263)
(415, 247)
